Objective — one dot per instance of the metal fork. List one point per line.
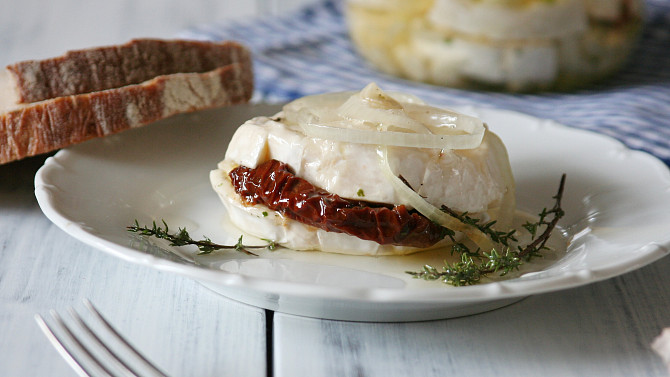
(86, 352)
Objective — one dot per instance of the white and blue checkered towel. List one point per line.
(309, 52)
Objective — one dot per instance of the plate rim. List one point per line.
(504, 289)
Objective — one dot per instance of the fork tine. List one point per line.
(73, 348)
(66, 352)
(113, 356)
(121, 339)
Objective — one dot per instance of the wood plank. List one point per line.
(180, 325)
(602, 329)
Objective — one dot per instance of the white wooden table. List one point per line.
(603, 329)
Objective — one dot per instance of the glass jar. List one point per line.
(511, 45)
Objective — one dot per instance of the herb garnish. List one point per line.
(182, 238)
(473, 266)
(476, 264)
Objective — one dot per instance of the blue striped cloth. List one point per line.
(309, 52)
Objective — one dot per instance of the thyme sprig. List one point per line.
(476, 264)
(503, 238)
(468, 271)
(465, 272)
(540, 242)
(182, 238)
(473, 266)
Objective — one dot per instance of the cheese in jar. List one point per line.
(510, 45)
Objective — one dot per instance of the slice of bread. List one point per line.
(95, 69)
(58, 102)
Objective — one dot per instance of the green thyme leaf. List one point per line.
(182, 238)
(476, 264)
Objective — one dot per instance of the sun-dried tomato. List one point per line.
(274, 185)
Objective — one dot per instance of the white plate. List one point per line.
(617, 203)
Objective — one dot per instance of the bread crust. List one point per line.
(95, 69)
(59, 122)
